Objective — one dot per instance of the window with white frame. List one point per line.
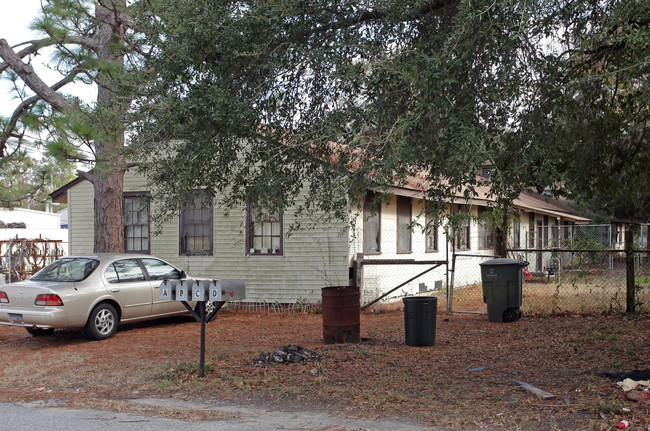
(485, 230)
(404, 228)
(371, 224)
(264, 232)
(431, 234)
(516, 232)
(462, 239)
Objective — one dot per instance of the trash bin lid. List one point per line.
(504, 261)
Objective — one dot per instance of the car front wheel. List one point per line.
(102, 322)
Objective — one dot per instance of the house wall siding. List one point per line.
(80, 218)
(378, 279)
(312, 258)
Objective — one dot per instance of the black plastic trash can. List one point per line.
(420, 320)
(502, 288)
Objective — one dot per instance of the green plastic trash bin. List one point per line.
(502, 288)
(420, 320)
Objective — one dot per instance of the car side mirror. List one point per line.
(183, 275)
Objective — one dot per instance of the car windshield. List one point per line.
(74, 269)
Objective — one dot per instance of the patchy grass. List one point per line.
(379, 377)
(584, 295)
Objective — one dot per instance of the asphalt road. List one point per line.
(44, 416)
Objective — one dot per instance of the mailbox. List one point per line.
(201, 290)
(227, 290)
(168, 290)
(184, 290)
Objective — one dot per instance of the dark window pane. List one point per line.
(136, 224)
(159, 270)
(196, 229)
(128, 270)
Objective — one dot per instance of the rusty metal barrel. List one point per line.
(341, 314)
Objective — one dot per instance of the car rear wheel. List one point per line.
(39, 332)
(102, 322)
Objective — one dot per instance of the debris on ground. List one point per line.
(537, 391)
(634, 375)
(287, 354)
(638, 396)
(635, 389)
(629, 384)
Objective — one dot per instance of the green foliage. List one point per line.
(26, 182)
(257, 99)
(72, 131)
(596, 111)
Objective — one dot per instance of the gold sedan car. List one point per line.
(95, 293)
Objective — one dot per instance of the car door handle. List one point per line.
(115, 290)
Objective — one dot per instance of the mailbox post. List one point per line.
(217, 292)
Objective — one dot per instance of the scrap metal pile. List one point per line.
(21, 258)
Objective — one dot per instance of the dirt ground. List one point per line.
(464, 381)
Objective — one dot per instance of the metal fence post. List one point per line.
(629, 270)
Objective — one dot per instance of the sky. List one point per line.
(15, 19)
(14, 27)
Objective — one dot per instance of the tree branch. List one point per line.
(34, 82)
(86, 175)
(23, 107)
(377, 15)
(35, 45)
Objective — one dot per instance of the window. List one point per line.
(159, 270)
(124, 271)
(75, 269)
(403, 224)
(136, 223)
(196, 228)
(462, 236)
(531, 230)
(263, 232)
(545, 228)
(371, 225)
(431, 234)
(516, 232)
(485, 231)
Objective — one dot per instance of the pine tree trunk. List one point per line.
(108, 175)
(109, 213)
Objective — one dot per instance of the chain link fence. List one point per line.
(572, 269)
